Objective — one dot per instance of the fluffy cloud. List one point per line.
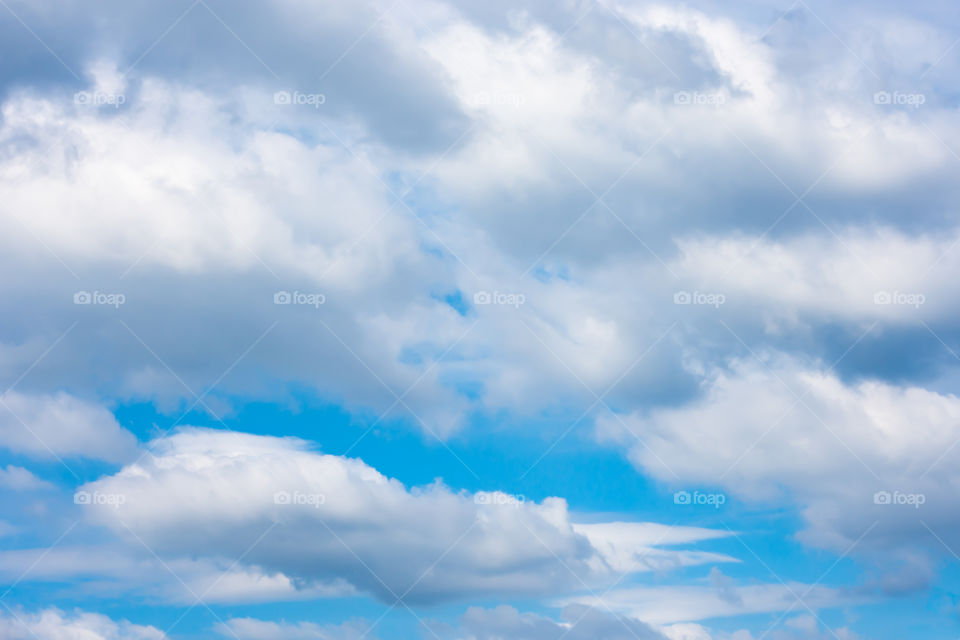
(52, 624)
(781, 430)
(317, 518)
(863, 274)
(592, 160)
(221, 220)
(61, 426)
(284, 197)
(234, 198)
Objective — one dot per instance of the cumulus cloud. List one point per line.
(234, 194)
(61, 425)
(863, 274)
(784, 430)
(283, 212)
(53, 624)
(316, 518)
(161, 238)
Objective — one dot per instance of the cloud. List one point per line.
(591, 160)
(403, 101)
(316, 518)
(7, 529)
(632, 546)
(20, 479)
(117, 571)
(366, 269)
(60, 425)
(691, 631)
(252, 629)
(783, 430)
(669, 605)
(579, 623)
(53, 624)
(860, 275)
(503, 209)
(809, 627)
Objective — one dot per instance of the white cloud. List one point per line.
(632, 546)
(215, 199)
(116, 571)
(669, 605)
(203, 198)
(688, 631)
(861, 274)
(228, 190)
(61, 425)
(53, 624)
(315, 518)
(20, 479)
(784, 431)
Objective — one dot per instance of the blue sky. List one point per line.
(426, 319)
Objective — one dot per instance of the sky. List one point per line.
(414, 319)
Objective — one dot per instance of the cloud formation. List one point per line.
(316, 518)
(53, 624)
